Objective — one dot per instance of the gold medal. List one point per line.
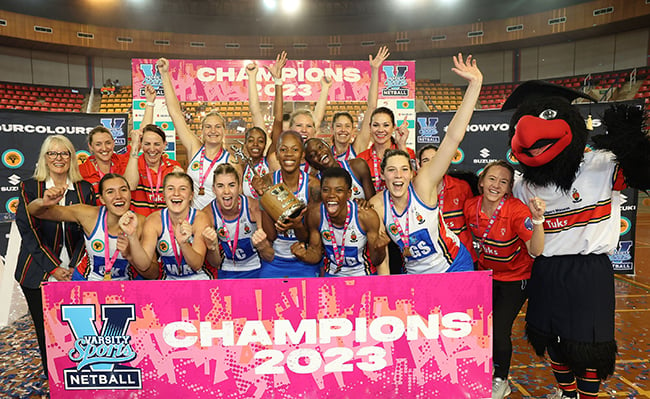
(407, 251)
(201, 191)
(107, 277)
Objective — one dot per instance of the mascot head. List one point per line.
(547, 134)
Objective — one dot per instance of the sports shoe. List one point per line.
(558, 394)
(500, 388)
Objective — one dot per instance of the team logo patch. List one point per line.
(458, 157)
(353, 236)
(327, 236)
(82, 156)
(576, 196)
(588, 148)
(393, 229)
(222, 233)
(164, 125)
(195, 166)
(97, 245)
(355, 190)
(247, 229)
(163, 246)
(625, 225)
(13, 159)
(99, 357)
(12, 205)
(395, 82)
(528, 224)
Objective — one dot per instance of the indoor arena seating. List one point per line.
(31, 97)
(117, 102)
(493, 96)
(438, 96)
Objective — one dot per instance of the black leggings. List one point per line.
(507, 299)
(35, 304)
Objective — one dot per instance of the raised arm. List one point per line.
(188, 139)
(321, 104)
(278, 100)
(48, 208)
(362, 140)
(431, 173)
(537, 208)
(193, 250)
(132, 224)
(150, 94)
(253, 96)
(131, 173)
(141, 252)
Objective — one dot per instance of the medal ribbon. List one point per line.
(177, 254)
(101, 174)
(108, 260)
(339, 253)
(300, 180)
(404, 234)
(203, 176)
(233, 247)
(250, 173)
(343, 157)
(153, 197)
(492, 219)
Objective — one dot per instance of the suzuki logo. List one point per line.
(14, 179)
(484, 153)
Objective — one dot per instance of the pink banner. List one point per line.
(226, 80)
(381, 336)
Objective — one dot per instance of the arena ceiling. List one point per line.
(250, 17)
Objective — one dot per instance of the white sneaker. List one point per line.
(557, 394)
(500, 388)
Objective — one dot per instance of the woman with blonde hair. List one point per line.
(48, 248)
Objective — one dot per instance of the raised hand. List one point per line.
(259, 238)
(210, 238)
(537, 208)
(467, 69)
(276, 68)
(128, 223)
(163, 65)
(184, 232)
(402, 133)
(150, 93)
(299, 249)
(53, 195)
(382, 55)
(251, 70)
(326, 83)
(136, 138)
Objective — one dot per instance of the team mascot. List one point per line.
(570, 312)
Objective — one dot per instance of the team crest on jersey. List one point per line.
(576, 196)
(97, 245)
(327, 236)
(353, 236)
(393, 229)
(355, 190)
(163, 246)
(456, 201)
(195, 166)
(247, 229)
(503, 231)
(419, 218)
(222, 233)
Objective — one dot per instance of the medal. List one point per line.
(201, 191)
(490, 222)
(107, 277)
(403, 233)
(109, 261)
(407, 251)
(203, 176)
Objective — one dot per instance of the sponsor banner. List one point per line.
(380, 336)
(23, 133)
(226, 80)
(486, 140)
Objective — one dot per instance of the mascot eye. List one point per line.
(548, 114)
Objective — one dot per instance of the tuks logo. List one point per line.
(97, 245)
(395, 84)
(12, 205)
(99, 356)
(458, 157)
(576, 196)
(327, 236)
(13, 158)
(82, 156)
(163, 246)
(428, 130)
(151, 77)
(511, 158)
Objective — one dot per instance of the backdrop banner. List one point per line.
(383, 336)
(487, 139)
(23, 133)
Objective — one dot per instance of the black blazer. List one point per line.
(42, 239)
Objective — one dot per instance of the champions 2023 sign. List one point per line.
(381, 336)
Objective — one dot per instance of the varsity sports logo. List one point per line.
(99, 356)
(97, 245)
(116, 127)
(528, 224)
(395, 83)
(428, 132)
(13, 159)
(163, 246)
(151, 77)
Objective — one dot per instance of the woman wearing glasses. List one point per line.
(48, 248)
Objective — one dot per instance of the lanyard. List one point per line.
(441, 198)
(177, 254)
(404, 234)
(300, 179)
(101, 174)
(109, 261)
(226, 233)
(153, 197)
(203, 176)
(376, 175)
(492, 219)
(343, 157)
(251, 172)
(339, 253)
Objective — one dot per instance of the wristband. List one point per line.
(538, 222)
(150, 104)
(278, 81)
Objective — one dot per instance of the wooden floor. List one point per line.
(530, 376)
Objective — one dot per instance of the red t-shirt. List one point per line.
(453, 197)
(375, 165)
(92, 175)
(148, 195)
(504, 250)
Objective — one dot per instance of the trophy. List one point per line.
(277, 200)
